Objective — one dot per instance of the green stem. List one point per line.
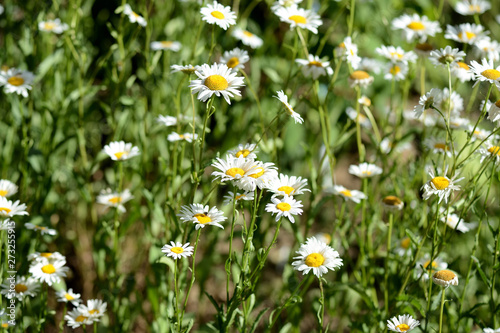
(386, 271)
(191, 283)
(443, 291)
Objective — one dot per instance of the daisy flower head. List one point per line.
(248, 150)
(235, 59)
(166, 120)
(285, 207)
(284, 3)
(489, 152)
(462, 71)
(7, 188)
(111, 198)
(231, 196)
(363, 120)
(186, 69)
(217, 79)
(121, 151)
(314, 67)
(465, 33)
(16, 81)
(365, 170)
(425, 266)
(404, 323)
(24, 286)
(49, 272)
(485, 71)
(438, 146)
(54, 26)
(490, 330)
(494, 111)
(441, 186)
(349, 51)
(456, 223)
(478, 133)
(46, 257)
(188, 137)
(247, 38)
(396, 54)
(177, 250)
(403, 247)
(201, 215)
(455, 102)
(360, 78)
(216, 13)
(264, 173)
(166, 45)
(490, 49)
(352, 195)
(396, 72)
(68, 296)
(443, 57)
(316, 256)
(133, 17)
(233, 168)
(392, 202)
(9, 208)
(299, 17)
(427, 101)
(41, 229)
(287, 185)
(472, 7)
(365, 101)
(284, 99)
(76, 318)
(456, 122)
(94, 309)
(445, 278)
(415, 27)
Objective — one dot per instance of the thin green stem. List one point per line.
(443, 292)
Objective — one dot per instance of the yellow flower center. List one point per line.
(468, 35)
(283, 206)
(287, 189)
(217, 14)
(166, 43)
(45, 254)
(49, 26)
(314, 260)
(315, 63)
(5, 325)
(5, 210)
(94, 311)
(474, 8)
(346, 193)
(491, 74)
(235, 171)
(119, 154)
(405, 243)
(233, 62)
(463, 65)
(428, 262)
(68, 297)
(441, 146)
(238, 197)
(15, 81)
(416, 26)
(497, 103)
(440, 183)
(445, 275)
(115, 200)
(298, 19)
(134, 14)
(203, 218)
(216, 82)
(258, 174)
(359, 75)
(248, 34)
(80, 318)
(3, 193)
(403, 327)
(395, 70)
(20, 288)
(392, 200)
(243, 152)
(397, 55)
(177, 249)
(494, 150)
(49, 269)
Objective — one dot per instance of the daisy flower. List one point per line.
(494, 111)
(201, 215)
(166, 45)
(363, 120)
(49, 272)
(404, 323)
(172, 137)
(396, 72)
(478, 134)
(416, 27)
(299, 17)
(489, 151)
(217, 79)
(265, 172)
(235, 59)
(403, 247)
(287, 207)
(66, 296)
(114, 199)
(316, 256)
(247, 38)
(465, 33)
(490, 49)
(441, 186)
(427, 101)
(472, 7)
(233, 168)
(94, 309)
(46, 257)
(42, 230)
(176, 250)
(445, 56)
(248, 151)
(167, 120)
(121, 151)
(437, 146)
(456, 223)
(396, 54)
(424, 266)
(455, 102)
(490, 330)
(230, 196)
(349, 51)
(216, 13)
(284, 99)
(76, 318)
(365, 101)
(54, 26)
(352, 195)
(133, 16)
(287, 185)
(284, 3)
(365, 170)
(314, 67)
(23, 287)
(16, 81)
(392, 202)
(445, 278)
(462, 71)
(360, 78)
(456, 122)
(485, 71)
(7, 188)
(9, 208)
(186, 69)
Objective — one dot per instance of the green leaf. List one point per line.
(481, 272)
